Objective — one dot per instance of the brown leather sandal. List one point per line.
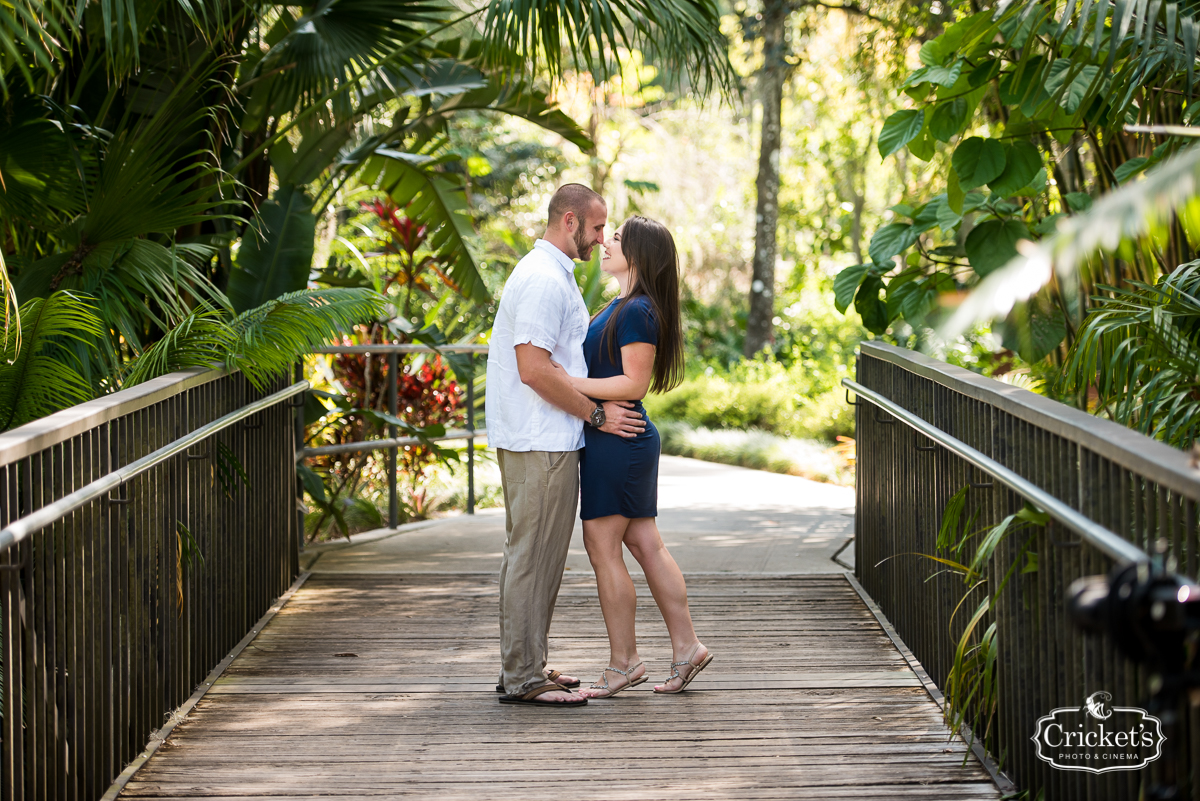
(531, 698)
(551, 675)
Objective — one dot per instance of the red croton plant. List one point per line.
(401, 249)
(428, 397)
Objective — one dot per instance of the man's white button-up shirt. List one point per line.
(541, 305)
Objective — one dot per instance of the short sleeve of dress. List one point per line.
(636, 322)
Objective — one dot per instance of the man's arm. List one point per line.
(552, 386)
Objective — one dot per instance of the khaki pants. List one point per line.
(541, 494)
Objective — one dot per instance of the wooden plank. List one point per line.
(807, 698)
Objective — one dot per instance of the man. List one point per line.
(535, 421)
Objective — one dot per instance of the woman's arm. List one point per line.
(637, 358)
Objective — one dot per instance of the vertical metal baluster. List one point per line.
(393, 379)
(471, 433)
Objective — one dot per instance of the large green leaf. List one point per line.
(900, 129)
(1021, 165)
(948, 119)
(992, 244)
(275, 257)
(892, 240)
(433, 200)
(846, 283)
(977, 161)
(868, 305)
(1071, 82)
(1033, 332)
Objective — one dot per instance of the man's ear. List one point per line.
(568, 219)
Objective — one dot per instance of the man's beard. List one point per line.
(583, 246)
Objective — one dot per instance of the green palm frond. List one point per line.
(1140, 350)
(683, 37)
(269, 339)
(264, 342)
(1135, 29)
(44, 376)
(453, 88)
(337, 42)
(39, 176)
(32, 35)
(148, 183)
(200, 340)
(12, 315)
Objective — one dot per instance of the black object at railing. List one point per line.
(1104, 480)
(115, 608)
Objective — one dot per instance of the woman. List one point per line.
(632, 345)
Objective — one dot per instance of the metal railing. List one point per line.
(392, 443)
(925, 430)
(141, 536)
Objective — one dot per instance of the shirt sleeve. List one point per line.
(637, 323)
(538, 315)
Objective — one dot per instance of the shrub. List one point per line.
(759, 450)
(774, 400)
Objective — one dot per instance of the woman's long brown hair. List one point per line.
(650, 251)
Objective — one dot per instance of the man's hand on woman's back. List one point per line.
(620, 419)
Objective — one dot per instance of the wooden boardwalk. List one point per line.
(383, 686)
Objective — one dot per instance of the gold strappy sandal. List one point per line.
(675, 674)
(611, 692)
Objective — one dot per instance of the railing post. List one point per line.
(471, 434)
(393, 501)
(298, 438)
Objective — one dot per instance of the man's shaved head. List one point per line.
(580, 215)
(571, 197)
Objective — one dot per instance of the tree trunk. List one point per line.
(759, 328)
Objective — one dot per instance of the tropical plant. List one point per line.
(138, 144)
(264, 342)
(353, 408)
(1035, 99)
(971, 689)
(42, 374)
(1139, 349)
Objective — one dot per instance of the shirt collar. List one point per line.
(563, 259)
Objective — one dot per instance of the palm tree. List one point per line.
(136, 154)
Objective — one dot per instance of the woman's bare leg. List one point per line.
(618, 598)
(669, 590)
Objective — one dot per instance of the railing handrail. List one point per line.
(59, 427)
(393, 348)
(23, 527)
(395, 442)
(1156, 461)
(1110, 543)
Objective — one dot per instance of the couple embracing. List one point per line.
(564, 413)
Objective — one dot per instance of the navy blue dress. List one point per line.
(618, 475)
